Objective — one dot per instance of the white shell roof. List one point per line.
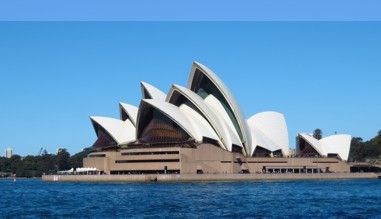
(122, 132)
(272, 126)
(215, 105)
(153, 91)
(174, 113)
(314, 143)
(214, 121)
(337, 144)
(199, 123)
(264, 141)
(334, 144)
(210, 119)
(132, 111)
(230, 99)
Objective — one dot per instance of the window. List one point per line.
(158, 128)
(104, 139)
(203, 86)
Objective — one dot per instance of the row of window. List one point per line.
(97, 155)
(128, 172)
(150, 153)
(147, 161)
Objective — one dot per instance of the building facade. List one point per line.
(204, 159)
(8, 153)
(195, 129)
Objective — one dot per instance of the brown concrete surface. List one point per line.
(205, 177)
(207, 158)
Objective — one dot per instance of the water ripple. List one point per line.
(272, 199)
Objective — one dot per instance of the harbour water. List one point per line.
(264, 199)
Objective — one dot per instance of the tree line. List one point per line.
(360, 150)
(36, 166)
(364, 151)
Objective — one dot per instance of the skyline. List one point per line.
(56, 74)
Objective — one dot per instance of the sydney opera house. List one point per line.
(331, 146)
(201, 129)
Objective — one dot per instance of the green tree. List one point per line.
(318, 134)
(63, 160)
(377, 140)
(45, 164)
(36, 166)
(5, 166)
(16, 164)
(356, 153)
(30, 166)
(361, 151)
(77, 159)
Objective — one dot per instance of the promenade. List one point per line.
(205, 177)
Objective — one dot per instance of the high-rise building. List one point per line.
(8, 153)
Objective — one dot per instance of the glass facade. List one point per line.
(178, 99)
(306, 150)
(261, 152)
(203, 86)
(124, 115)
(158, 128)
(104, 139)
(146, 95)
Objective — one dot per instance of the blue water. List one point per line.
(285, 199)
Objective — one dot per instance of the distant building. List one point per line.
(292, 152)
(8, 153)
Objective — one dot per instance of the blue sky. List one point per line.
(54, 75)
(195, 10)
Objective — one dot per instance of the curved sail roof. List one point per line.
(151, 92)
(176, 92)
(215, 105)
(202, 127)
(334, 144)
(122, 132)
(130, 110)
(270, 126)
(264, 141)
(204, 111)
(204, 81)
(314, 143)
(172, 112)
(337, 144)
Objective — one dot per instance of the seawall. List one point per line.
(205, 177)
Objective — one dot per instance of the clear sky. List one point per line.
(54, 75)
(200, 10)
